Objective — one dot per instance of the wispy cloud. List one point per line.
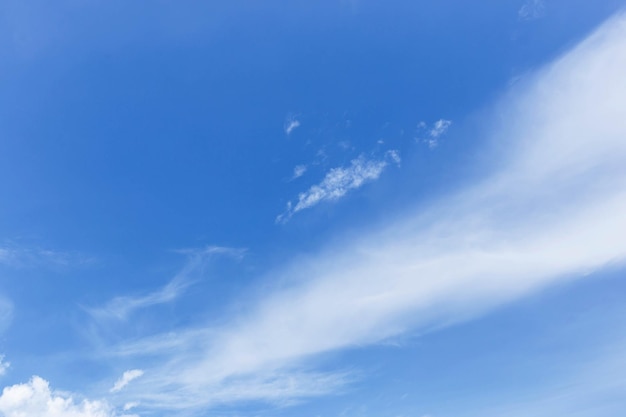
(4, 365)
(532, 9)
(560, 184)
(201, 254)
(339, 181)
(298, 171)
(439, 128)
(20, 256)
(126, 378)
(291, 124)
(434, 133)
(122, 307)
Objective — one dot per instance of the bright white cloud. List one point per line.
(532, 9)
(35, 399)
(338, 182)
(126, 378)
(552, 210)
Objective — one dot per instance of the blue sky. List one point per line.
(339, 208)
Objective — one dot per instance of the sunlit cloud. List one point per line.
(35, 398)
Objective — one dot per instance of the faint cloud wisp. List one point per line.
(532, 9)
(559, 184)
(291, 124)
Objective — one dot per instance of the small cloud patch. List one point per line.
(126, 378)
(433, 133)
(291, 124)
(299, 171)
(339, 181)
(531, 10)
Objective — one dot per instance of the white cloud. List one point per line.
(338, 181)
(37, 400)
(298, 171)
(126, 378)
(532, 9)
(552, 210)
(291, 124)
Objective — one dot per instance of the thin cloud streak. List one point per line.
(120, 308)
(552, 212)
(19, 256)
(126, 378)
(291, 124)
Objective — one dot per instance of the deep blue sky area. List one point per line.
(312, 208)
